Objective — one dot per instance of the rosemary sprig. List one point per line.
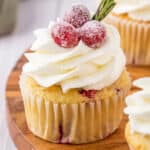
(104, 8)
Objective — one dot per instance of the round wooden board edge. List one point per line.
(14, 130)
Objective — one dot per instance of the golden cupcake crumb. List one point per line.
(56, 95)
(136, 140)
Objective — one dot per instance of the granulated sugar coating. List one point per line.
(93, 33)
(65, 35)
(77, 15)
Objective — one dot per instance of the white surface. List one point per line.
(32, 14)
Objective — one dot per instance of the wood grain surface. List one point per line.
(25, 140)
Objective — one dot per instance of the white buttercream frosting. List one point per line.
(136, 9)
(138, 107)
(78, 67)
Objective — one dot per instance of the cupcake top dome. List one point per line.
(84, 55)
(138, 107)
(136, 9)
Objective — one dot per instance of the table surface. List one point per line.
(32, 14)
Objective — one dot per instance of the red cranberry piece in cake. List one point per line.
(77, 15)
(88, 93)
(93, 33)
(65, 35)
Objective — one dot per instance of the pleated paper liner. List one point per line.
(135, 38)
(72, 123)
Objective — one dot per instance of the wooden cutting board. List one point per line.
(25, 140)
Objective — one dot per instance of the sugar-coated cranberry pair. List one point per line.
(76, 26)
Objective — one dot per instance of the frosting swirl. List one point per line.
(78, 67)
(136, 9)
(138, 107)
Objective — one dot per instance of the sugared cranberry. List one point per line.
(65, 35)
(77, 15)
(93, 34)
(88, 93)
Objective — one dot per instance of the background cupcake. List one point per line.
(132, 19)
(75, 82)
(138, 108)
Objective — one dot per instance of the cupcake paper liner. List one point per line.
(135, 38)
(72, 123)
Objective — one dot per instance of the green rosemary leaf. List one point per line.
(103, 10)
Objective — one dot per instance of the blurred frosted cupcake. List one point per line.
(75, 82)
(138, 108)
(132, 19)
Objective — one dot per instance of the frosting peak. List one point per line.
(138, 107)
(77, 67)
(136, 9)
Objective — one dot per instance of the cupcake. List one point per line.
(75, 81)
(132, 19)
(137, 130)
